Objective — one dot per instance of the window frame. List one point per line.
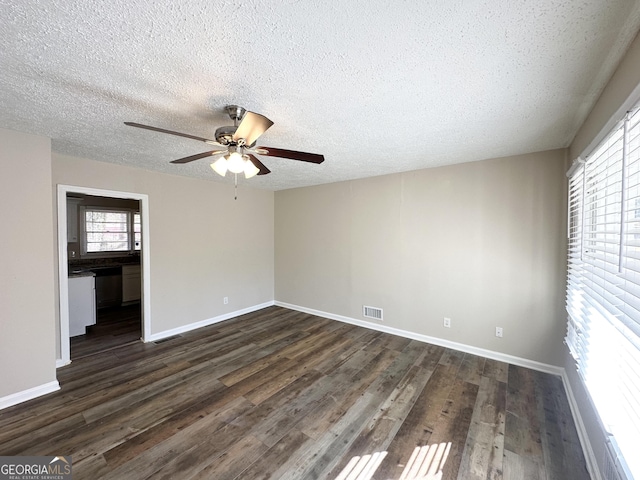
(603, 280)
(131, 234)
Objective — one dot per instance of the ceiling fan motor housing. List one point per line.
(224, 135)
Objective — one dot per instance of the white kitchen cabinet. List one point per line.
(72, 220)
(131, 280)
(82, 303)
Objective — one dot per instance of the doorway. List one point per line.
(67, 253)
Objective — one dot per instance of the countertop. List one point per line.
(88, 267)
(81, 273)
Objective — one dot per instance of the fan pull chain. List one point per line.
(236, 186)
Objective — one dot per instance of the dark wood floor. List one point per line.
(282, 394)
(114, 328)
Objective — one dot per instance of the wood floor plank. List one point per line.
(25, 441)
(518, 467)
(173, 377)
(296, 405)
(522, 427)
(268, 465)
(283, 394)
(363, 335)
(378, 434)
(561, 448)
(432, 356)
(328, 365)
(483, 454)
(213, 456)
(289, 408)
(389, 341)
(271, 420)
(452, 427)
(94, 467)
(495, 369)
(300, 364)
(250, 369)
(227, 466)
(452, 358)
(100, 437)
(316, 459)
(338, 401)
(420, 423)
(220, 407)
(113, 331)
(67, 402)
(471, 368)
(205, 438)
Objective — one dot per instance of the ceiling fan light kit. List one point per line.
(220, 166)
(250, 170)
(235, 163)
(238, 142)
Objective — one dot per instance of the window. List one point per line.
(137, 231)
(603, 284)
(110, 231)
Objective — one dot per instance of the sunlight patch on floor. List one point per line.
(426, 462)
(362, 468)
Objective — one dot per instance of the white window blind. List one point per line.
(603, 284)
(108, 231)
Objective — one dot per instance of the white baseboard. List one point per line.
(62, 363)
(502, 357)
(29, 394)
(205, 323)
(587, 450)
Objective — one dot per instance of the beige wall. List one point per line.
(482, 243)
(27, 320)
(204, 245)
(622, 84)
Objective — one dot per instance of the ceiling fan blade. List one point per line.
(198, 156)
(170, 132)
(292, 154)
(251, 127)
(259, 165)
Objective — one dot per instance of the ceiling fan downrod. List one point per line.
(236, 113)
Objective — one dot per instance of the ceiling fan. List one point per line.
(238, 144)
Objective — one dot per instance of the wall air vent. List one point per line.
(372, 312)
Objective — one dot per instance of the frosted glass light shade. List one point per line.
(235, 163)
(220, 166)
(250, 170)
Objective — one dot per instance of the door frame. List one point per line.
(63, 273)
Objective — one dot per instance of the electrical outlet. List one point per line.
(225, 300)
(447, 322)
(499, 332)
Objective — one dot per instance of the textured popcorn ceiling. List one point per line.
(376, 86)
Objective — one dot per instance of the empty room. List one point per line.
(320, 240)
